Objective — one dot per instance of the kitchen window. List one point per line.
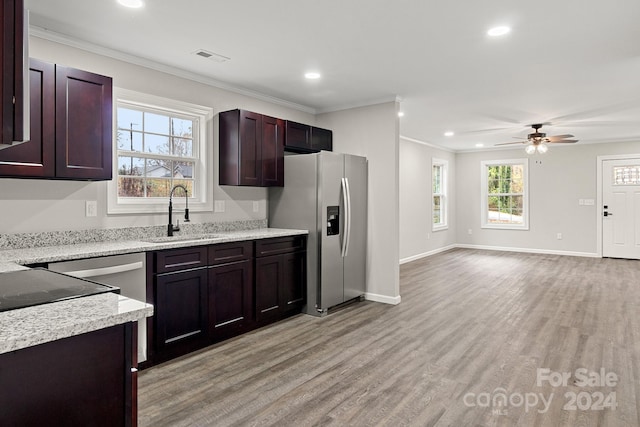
(505, 194)
(159, 143)
(439, 194)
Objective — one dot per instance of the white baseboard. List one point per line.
(528, 250)
(382, 298)
(499, 248)
(426, 254)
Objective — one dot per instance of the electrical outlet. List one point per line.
(256, 206)
(559, 236)
(470, 231)
(218, 206)
(428, 236)
(91, 208)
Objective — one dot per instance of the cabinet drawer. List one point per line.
(230, 252)
(280, 245)
(181, 259)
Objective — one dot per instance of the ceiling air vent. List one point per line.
(212, 56)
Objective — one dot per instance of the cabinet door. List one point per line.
(181, 307)
(272, 152)
(36, 157)
(298, 137)
(83, 124)
(250, 148)
(294, 281)
(79, 380)
(11, 83)
(269, 276)
(321, 139)
(230, 298)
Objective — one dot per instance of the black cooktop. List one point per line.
(19, 289)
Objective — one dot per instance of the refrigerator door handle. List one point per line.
(348, 230)
(343, 184)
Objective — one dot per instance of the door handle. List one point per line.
(346, 250)
(608, 214)
(344, 215)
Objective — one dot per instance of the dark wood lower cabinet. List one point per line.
(230, 299)
(280, 285)
(84, 380)
(205, 294)
(269, 276)
(180, 311)
(294, 281)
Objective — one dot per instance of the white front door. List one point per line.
(621, 208)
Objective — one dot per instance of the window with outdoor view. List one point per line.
(505, 194)
(159, 144)
(439, 194)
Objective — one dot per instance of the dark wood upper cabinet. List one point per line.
(13, 68)
(35, 158)
(273, 131)
(298, 137)
(251, 149)
(301, 138)
(83, 124)
(321, 139)
(71, 127)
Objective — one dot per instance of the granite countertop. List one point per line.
(15, 259)
(30, 326)
(26, 327)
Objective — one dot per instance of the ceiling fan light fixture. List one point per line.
(530, 149)
(542, 148)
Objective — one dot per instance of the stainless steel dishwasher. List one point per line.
(124, 271)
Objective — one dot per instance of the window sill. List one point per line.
(158, 208)
(440, 228)
(505, 227)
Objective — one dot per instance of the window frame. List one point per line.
(203, 202)
(484, 192)
(444, 199)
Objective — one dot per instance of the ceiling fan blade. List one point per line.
(556, 137)
(564, 141)
(509, 143)
(519, 137)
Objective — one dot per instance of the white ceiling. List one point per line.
(573, 63)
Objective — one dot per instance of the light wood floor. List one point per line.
(470, 322)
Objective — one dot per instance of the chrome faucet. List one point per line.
(171, 228)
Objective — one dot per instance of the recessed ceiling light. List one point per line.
(448, 133)
(479, 145)
(134, 4)
(312, 75)
(498, 31)
(400, 114)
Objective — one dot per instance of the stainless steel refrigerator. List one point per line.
(326, 193)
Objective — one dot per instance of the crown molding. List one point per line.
(67, 40)
(367, 103)
(428, 144)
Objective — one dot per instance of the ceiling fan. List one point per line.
(536, 141)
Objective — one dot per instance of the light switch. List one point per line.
(589, 202)
(581, 202)
(91, 208)
(218, 206)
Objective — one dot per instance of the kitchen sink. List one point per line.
(183, 238)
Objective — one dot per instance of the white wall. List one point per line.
(557, 180)
(373, 132)
(41, 205)
(417, 237)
